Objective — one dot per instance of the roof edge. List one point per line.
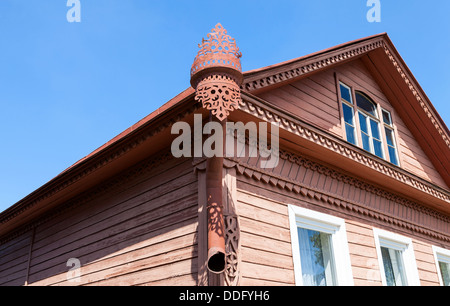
(275, 75)
(40, 193)
(249, 73)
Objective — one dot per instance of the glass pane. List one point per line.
(393, 155)
(377, 146)
(348, 114)
(316, 258)
(375, 130)
(350, 131)
(393, 267)
(363, 123)
(345, 93)
(366, 142)
(389, 136)
(387, 117)
(445, 272)
(365, 104)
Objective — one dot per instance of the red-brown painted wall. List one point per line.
(140, 230)
(314, 99)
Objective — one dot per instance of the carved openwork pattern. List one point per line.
(218, 96)
(232, 272)
(415, 92)
(256, 84)
(216, 73)
(218, 50)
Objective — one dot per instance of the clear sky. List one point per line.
(67, 88)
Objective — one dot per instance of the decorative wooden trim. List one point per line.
(416, 92)
(216, 73)
(316, 63)
(283, 73)
(260, 109)
(386, 215)
(232, 228)
(202, 237)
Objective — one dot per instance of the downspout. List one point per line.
(216, 228)
(216, 76)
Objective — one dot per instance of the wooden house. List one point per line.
(359, 194)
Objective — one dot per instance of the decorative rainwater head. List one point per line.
(216, 74)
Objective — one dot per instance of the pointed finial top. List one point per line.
(218, 50)
(216, 74)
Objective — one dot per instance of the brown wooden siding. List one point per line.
(265, 235)
(141, 232)
(14, 260)
(265, 239)
(363, 254)
(313, 180)
(413, 158)
(425, 263)
(314, 100)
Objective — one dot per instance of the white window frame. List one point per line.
(394, 138)
(440, 254)
(367, 118)
(356, 110)
(397, 242)
(349, 104)
(350, 90)
(306, 218)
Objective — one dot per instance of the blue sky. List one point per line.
(67, 88)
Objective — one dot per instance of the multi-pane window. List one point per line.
(370, 126)
(390, 137)
(442, 257)
(319, 247)
(396, 258)
(349, 118)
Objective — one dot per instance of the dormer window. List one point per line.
(370, 126)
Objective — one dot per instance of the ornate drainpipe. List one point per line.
(216, 76)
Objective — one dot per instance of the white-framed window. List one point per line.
(390, 137)
(396, 259)
(442, 259)
(367, 125)
(348, 113)
(319, 249)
